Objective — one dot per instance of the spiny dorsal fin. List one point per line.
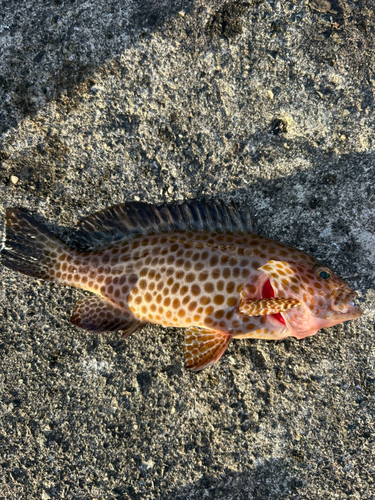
(128, 220)
(203, 347)
(98, 315)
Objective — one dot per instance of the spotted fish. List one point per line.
(195, 266)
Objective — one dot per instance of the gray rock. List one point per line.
(269, 103)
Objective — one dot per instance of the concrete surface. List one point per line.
(267, 102)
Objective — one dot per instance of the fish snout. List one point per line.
(342, 300)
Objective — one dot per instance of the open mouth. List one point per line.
(343, 301)
(349, 309)
(268, 293)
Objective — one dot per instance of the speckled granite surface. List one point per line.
(270, 103)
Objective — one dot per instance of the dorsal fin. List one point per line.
(128, 220)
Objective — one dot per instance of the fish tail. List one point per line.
(29, 248)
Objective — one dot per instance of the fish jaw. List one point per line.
(340, 308)
(300, 323)
(342, 298)
(342, 303)
(302, 326)
(353, 312)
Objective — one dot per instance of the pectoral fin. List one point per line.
(260, 307)
(203, 347)
(98, 315)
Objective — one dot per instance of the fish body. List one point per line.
(191, 266)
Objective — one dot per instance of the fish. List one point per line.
(198, 266)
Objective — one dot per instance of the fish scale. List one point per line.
(192, 265)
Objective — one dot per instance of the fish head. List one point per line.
(325, 299)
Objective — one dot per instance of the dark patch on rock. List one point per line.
(149, 14)
(3, 156)
(330, 179)
(43, 69)
(257, 357)
(278, 126)
(144, 381)
(127, 122)
(23, 99)
(227, 21)
(314, 202)
(298, 455)
(55, 358)
(165, 134)
(41, 169)
(173, 370)
(70, 83)
(249, 483)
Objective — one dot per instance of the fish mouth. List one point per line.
(354, 311)
(342, 301)
(351, 311)
(267, 293)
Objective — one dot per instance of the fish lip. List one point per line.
(354, 311)
(348, 307)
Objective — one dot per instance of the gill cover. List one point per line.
(284, 279)
(286, 283)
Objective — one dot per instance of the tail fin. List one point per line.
(28, 247)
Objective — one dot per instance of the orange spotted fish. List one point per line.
(195, 266)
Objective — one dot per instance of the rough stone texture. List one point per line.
(270, 103)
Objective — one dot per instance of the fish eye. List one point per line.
(325, 275)
(323, 272)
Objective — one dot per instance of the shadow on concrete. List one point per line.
(312, 199)
(52, 47)
(251, 483)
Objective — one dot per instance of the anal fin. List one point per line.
(98, 315)
(260, 307)
(203, 347)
